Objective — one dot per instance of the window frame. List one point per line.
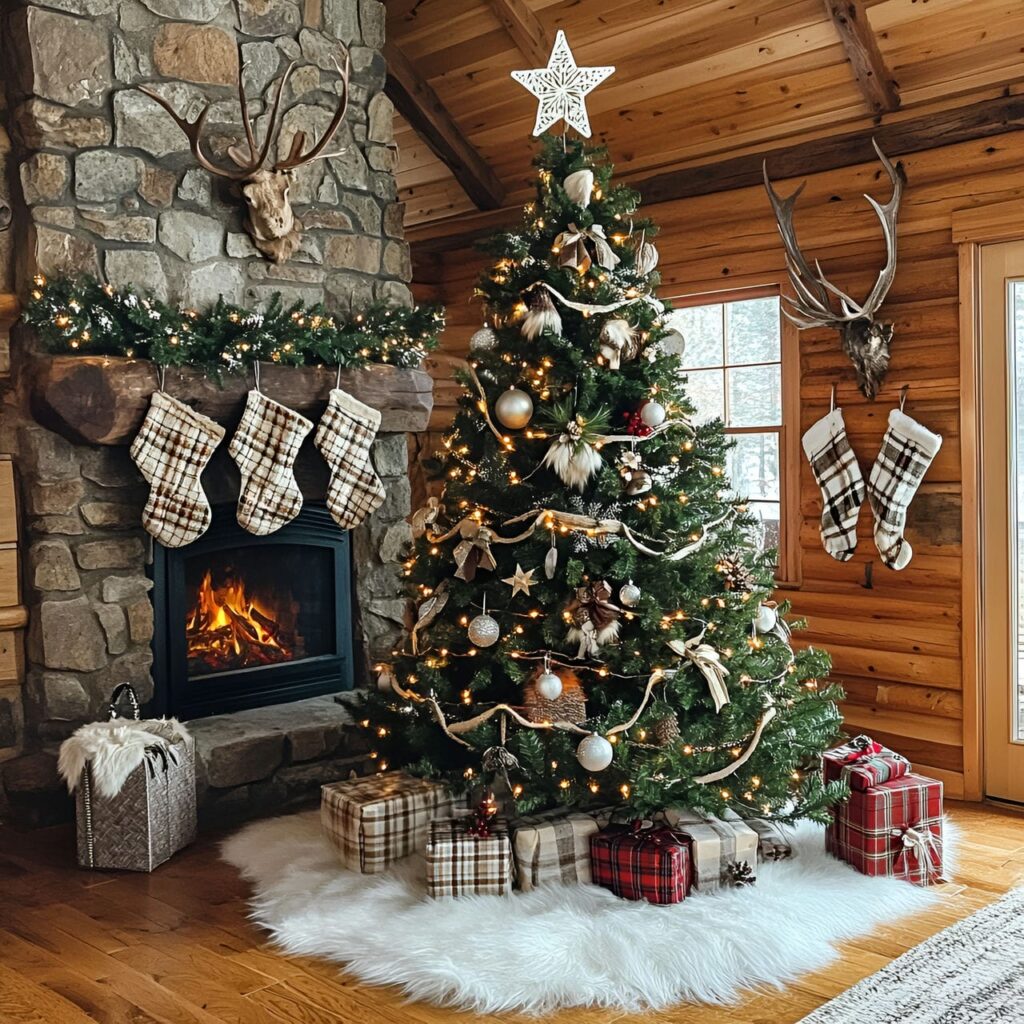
(788, 572)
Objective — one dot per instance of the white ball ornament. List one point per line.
(629, 594)
(483, 340)
(549, 686)
(594, 753)
(766, 620)
(514, 408)
(653, 414)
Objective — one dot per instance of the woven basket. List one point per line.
(570, 706)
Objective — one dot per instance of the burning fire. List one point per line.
(226, 629)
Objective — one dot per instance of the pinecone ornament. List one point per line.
(666, 730)
(735, 575)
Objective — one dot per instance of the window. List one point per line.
(737, 349)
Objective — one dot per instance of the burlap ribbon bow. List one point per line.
(916, 844)
(473, 551)
(426, 516)
(708, 662)
(573, 251)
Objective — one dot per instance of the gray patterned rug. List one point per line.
(970, 973)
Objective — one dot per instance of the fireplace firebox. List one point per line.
(243, 621)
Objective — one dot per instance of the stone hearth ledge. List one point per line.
(103, 399)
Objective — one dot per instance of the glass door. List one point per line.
(1002, 516)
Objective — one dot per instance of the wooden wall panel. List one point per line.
(896, 643)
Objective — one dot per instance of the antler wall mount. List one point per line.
(866, 339)
(270, 219)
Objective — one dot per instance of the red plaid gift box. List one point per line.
(894, 829)
(642, 862)
(863, 763)
(460, 863)
(376, 820)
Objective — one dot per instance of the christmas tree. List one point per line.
(594, 623)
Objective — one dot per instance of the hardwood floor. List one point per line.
(176, 946)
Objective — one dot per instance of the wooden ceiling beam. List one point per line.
(525, 29)
(417, 102)
(913, 135)
(876, 83)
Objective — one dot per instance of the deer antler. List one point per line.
(193, 130)
(296, 157)
(813, 305)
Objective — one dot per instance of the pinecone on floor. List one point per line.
(666, 730)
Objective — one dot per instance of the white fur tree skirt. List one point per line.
(563, 946)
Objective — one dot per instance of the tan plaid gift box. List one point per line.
(717, 847)
(374, 821)
(554, 847)
(460, 864)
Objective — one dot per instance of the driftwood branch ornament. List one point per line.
(866, 339)
(271, 222)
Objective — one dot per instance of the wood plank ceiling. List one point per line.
(697, 81)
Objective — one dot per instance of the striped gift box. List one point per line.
(894, 829)
(460, 864)
(641, 862)
(716, 846)
(376, 820)
(863, 763)
(554, 848)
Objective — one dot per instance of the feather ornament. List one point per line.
(541, 316)
(617, 342)
(579, 187)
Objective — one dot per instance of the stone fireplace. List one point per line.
(102, 182)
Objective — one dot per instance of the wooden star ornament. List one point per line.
(520, 581)
(561, 88)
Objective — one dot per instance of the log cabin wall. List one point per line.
(895, 637)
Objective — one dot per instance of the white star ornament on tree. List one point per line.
(561, 88)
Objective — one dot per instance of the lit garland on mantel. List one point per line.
(81, 316)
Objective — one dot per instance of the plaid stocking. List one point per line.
(838, 475)
(265, 446)
(907, 451)
(171, 450)
(344, 437)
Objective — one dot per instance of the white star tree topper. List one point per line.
(561, 88)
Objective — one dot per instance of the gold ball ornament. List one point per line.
(514, 409)
(484, 631)
(594, 753)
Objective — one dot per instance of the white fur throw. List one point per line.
(114, 749)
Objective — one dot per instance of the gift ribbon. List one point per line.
(919, 844)
(474, 551)
(863, 747)
(659, 835)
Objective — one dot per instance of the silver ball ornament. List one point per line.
(629, 594)
(483, 340)
(766, 620)
(594, 753)
(484, 631)
(514, 408)
(549, 686)
(653, 414)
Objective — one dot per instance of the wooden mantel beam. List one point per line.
(417, 102)
(525, 29)
(912, 135)
(876, 83)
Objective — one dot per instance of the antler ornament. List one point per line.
(866, 339)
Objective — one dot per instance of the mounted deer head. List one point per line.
(270, 220)
(866, 340)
